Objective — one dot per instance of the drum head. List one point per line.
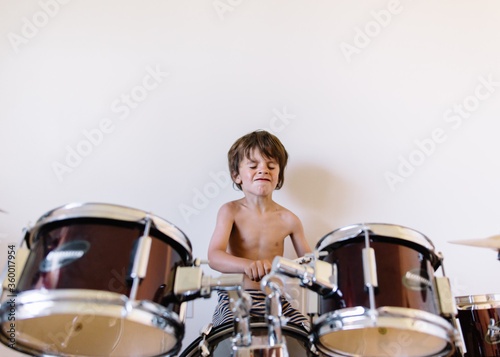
(219, 340)
(89, 323)
(390, 332)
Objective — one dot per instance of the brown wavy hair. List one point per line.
(269, 146)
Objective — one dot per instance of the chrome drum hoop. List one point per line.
(295, 336)
(110, 212)
(472, 302)
(390, 231)
(82, 310)
(401, 322)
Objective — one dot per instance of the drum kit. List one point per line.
(93, 279)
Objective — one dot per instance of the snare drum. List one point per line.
(218, 341)
(402, 317)
(479, 317)
(74, 294)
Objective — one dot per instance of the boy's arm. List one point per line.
(218, 257)
(298, 237)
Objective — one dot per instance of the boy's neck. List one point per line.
(261, 203)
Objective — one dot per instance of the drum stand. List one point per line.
(318, 276)
(240, 304)
(242, 342)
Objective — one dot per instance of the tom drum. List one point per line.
(401, 318)
(75, 295)
(479, 317)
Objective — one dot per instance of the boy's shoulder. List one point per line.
(287, 214)
(231, 207)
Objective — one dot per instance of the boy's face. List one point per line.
(258, 174)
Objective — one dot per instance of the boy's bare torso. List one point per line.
(258, 234)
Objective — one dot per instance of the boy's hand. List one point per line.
(258, 269)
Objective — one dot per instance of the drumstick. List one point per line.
(309, 257)
(303, 260)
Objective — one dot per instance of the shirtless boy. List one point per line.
(251, 231)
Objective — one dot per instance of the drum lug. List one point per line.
(493, 330)
(140, 261)
(141, 258)
(312, 346)
(203, 345)
(204, 350)
(205, 331)
(369, 268)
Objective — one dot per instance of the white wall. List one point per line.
(382, 106)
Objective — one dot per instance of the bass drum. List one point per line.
(218, 341)
(73, 296)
